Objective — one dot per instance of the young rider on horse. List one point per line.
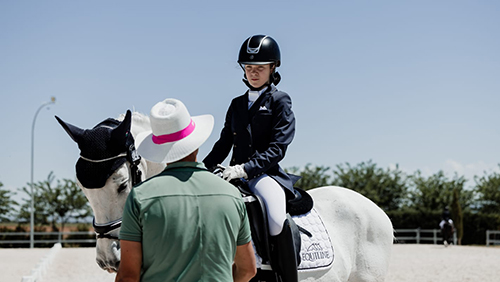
(445, 218)
(259, 126)
(446, 225)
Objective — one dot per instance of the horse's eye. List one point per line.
(122, 187)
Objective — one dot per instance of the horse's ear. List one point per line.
(74, 132)
(121, 131)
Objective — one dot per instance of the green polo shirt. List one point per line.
(189, 222)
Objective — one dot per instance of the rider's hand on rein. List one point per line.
(234, 172)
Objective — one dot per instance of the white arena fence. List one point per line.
(416, 235)
(45, 238)
(419, 236)
(496, 237)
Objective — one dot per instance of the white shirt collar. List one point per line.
(254, 95)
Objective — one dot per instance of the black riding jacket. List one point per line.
(258, 136)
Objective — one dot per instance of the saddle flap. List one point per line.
(257, 217)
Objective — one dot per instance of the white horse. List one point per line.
(361, 233)
(107, 199)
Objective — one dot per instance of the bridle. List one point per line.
(104, 230)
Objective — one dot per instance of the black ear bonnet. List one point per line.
(103, 149)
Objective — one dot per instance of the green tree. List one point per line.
(435, 192)
(311, 177)
(56, 202)
(7, 204)
(488, 188)
(386, 188)
(457, 216)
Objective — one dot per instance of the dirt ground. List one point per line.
(435, 263)
(77, 265)
(16, 263)
(415, 263)
(69, 264)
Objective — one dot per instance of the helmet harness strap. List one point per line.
(274, 78)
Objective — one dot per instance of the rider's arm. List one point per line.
(223, 146)
(244, 267)
(131, 261)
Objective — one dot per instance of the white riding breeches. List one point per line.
(274, 198)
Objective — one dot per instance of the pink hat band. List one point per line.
(174, 133)
(176, 136)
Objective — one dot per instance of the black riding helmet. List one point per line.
(260, 50)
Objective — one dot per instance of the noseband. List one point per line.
(104, 230)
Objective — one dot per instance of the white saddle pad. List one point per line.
(317, 251)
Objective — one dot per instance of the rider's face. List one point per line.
(258, 75)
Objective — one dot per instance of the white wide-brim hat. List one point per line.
(174, 133)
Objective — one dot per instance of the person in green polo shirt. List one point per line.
(185, 224)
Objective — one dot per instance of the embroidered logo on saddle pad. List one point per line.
(316, 251)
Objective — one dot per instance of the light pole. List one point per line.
(32, 215)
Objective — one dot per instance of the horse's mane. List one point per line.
(140, 122)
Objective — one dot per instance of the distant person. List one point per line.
(185, 224)
(259, 126)
(446, 226)
(446, 214)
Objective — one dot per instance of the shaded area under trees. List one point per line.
(415, 200)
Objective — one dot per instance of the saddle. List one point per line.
(314, 250)
(297, 204)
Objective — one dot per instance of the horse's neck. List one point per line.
(153, 169)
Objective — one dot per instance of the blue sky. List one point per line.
(413, 83)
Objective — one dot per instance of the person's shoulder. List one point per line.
(280, 95)
(142, 190)
(281, 99)
(143, 185)
(240, 98)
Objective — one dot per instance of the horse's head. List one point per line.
(106, 171)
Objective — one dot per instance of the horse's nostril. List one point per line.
(101, 264)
